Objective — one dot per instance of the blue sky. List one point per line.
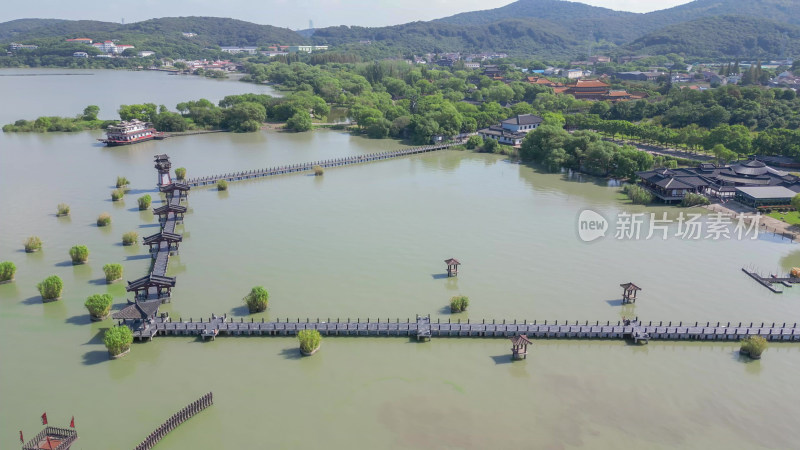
(293, 14)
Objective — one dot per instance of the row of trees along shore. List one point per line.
(395, 99)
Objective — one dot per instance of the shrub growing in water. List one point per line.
(7, 271)
(144, 202)
(117, 194)
(180, 173)
(692, 199)
(257, 300)
(459, 303)
(753, 346)
(113, 272)
(104, 220)
(118, 340)
(318, 171)
(122, 181)
(638, 194)
(51, 287)
(99, 305)
(309, 340)
(130, 238)
(63, 209)
(222, 185)
(79, 254)
(33, 244)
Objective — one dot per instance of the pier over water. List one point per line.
(309, 166)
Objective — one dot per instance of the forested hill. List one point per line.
(212, 31)
(530, 37)
(589, 22)
(722, 36)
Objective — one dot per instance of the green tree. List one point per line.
(796, 202)
(490, 145)
(300, 121)
(474, 142)
(145, 112)
(90, 112)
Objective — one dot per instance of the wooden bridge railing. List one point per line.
(178, 418)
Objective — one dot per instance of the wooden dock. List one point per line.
(768, 282)
(309, 167)
(178, 418)
(423, 328)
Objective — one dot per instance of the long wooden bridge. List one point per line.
(423, 327)
(309, 166)
(156, 285)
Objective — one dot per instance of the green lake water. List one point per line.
(365, 241)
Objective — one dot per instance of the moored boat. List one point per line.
(130, 132)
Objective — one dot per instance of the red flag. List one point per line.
(72, 422)
(44, 419)
(21, 439)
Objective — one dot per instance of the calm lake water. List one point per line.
(365, 241)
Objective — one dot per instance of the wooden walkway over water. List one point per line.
(423, 327)
(308, 167)
(155, 286)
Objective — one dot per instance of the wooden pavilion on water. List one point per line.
(163, 211)
(163, 165)
(519, 346)
(139, 317)
(452, 267)
(151, 287)
(154, 241)
(629, 292)
(170, 189)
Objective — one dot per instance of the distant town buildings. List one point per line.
(235, 50)
(638, 76)
(306, 48)
(15, 46)
(574, 74)
(189, 35)
(80, 55)
(145, 54)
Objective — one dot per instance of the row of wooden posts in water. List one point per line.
(175, 420)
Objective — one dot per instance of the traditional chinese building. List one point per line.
(726, 182)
